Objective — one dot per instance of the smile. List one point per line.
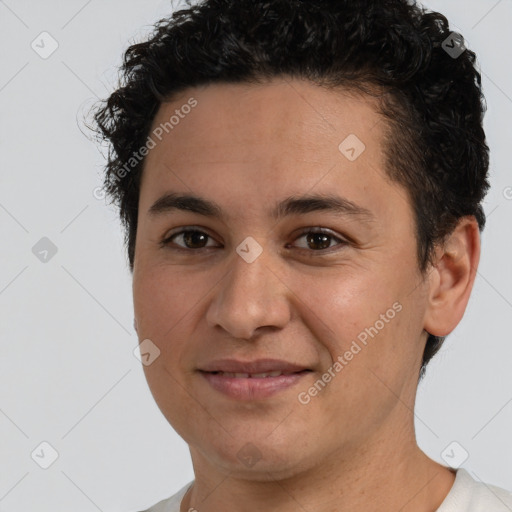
(276, 373)
(256, 386)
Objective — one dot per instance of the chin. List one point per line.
(258, 461)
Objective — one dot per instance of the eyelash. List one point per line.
(168, 240)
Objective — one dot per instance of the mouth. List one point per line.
(252, 380)
(263, 375)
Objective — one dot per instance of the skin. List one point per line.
(352, 447)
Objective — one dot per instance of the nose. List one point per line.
(250, 297)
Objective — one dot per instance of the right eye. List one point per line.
(191, 239)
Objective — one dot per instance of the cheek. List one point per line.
(164, 297)
(166, 303)
(367, 327)
(348, 303)
(371, 319)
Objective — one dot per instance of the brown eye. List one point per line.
(189, 239)
(195, 239)
(319, 240)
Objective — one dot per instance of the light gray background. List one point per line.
(67, 369)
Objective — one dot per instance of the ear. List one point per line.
(451, 278)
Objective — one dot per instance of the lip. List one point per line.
(250, 387)
(256, 366)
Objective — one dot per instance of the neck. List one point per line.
(389, 473)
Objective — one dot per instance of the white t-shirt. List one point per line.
(466, 495)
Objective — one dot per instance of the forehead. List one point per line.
(280, 138)
(299, 116)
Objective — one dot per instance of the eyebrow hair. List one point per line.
(290, 206)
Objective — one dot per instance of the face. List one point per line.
(269, 239)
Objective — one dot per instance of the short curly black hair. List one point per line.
(395, 50)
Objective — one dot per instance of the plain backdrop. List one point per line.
(68, 374)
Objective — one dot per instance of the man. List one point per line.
(301, 184)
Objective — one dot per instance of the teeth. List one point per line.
(275, 373)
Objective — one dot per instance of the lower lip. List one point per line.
(252, 388)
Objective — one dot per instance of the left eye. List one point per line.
(319, 240)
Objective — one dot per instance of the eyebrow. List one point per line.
(290, 206)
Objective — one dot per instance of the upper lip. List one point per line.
(256, 366)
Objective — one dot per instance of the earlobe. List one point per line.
(452, 277)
